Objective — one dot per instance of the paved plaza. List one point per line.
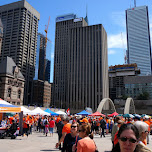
(37, 142)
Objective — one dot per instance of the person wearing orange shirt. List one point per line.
(66, 129)
(25, 126)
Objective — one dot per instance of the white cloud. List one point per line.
(52, 55)
(117, 41)
(111, 52)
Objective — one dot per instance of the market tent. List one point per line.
(113, 114)
(145, 116)
(4, 102)
(39, 111)
(136, 115)
(83, 113)
(26, 111)
(51, 112)
(7, 107)
(128, 116)
(61, 113)
(97, 114)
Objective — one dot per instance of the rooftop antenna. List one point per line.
(134, 3)
(86, 18)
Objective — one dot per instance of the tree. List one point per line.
(143, 96)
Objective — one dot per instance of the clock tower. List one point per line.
(1, 35)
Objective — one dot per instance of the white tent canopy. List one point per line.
(26, 111)
(61, 113)
(39, 111)
(4, 102)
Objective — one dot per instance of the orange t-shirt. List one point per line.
(148, 123)
(86, 145)
(67, 128)
(58, 119)
(10, 119)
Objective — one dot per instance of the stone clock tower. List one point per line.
(1, 35)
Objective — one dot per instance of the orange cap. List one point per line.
(85, 120)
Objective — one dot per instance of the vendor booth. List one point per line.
(39, 111)
(61, 112)
(84, 113)
(6, 107)
(51, 112)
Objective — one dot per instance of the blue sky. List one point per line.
(110, 13)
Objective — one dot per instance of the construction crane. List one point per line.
(125, 58)
(46, 31)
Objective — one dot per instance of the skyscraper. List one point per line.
(42, 68)
(60, 82)
(47, 70)
(138, 38)
(87, 67)
(1, 34)
(20, 22)
(40, 57)
(80, 64)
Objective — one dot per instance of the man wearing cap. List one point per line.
(66, 129)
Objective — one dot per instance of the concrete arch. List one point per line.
(103, 101)
(129, 106)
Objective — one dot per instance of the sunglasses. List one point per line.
(124, 139)
(146, 131)
(73, 126)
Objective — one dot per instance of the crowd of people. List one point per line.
(76, 134)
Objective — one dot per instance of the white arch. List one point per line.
(129, 106)
(103, 101)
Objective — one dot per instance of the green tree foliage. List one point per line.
(143, 96)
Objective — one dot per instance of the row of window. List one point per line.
(9, 93)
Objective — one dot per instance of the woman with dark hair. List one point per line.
(128, 136)
(71, 138)
(86, 144)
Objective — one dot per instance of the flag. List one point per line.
(68, 111)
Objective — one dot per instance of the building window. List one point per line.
(18, 103)
(9, 92)
(19, 94)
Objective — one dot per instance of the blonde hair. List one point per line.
(141, 126)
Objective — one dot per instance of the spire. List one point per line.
(86, 18)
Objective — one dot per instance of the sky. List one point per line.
(110, 13)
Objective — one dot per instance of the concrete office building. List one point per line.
(137, 86)
(20, 25)
(117, 74)
(42, 93)
(138, 38)
(60, 79)
(88, 67)
(81, 67)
